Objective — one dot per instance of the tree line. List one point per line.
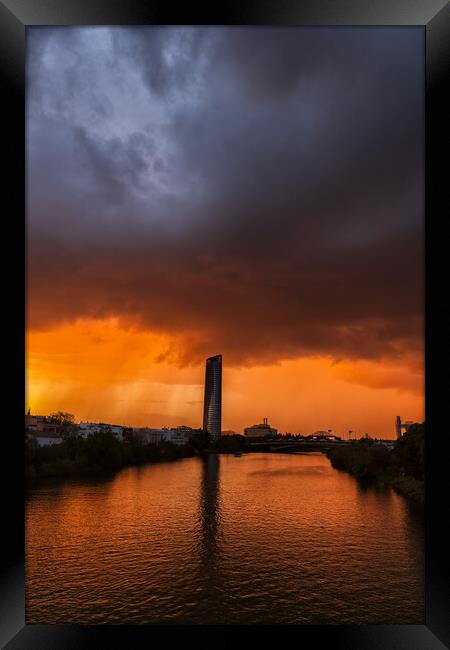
(99, 452)
(403, 467)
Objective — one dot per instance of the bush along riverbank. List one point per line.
(402, 467)
(101, 453)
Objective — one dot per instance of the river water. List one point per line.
(264, 538)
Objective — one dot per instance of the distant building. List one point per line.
(32, 421)
(399, 425)
(212, 406)
(87, 428)
(317, 435)
(46, 435)
(39, 424)
(127, 433)
(260, 430)
(179, 435)
(150, 436)
(47, 440)
(188, 431)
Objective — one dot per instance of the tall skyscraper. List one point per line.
(212, 408)
(398, 427)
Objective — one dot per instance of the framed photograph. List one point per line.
(223, 224)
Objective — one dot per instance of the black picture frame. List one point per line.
(434, 16)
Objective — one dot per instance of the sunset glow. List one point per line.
(102, 371)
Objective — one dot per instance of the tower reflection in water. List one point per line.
(210, 547)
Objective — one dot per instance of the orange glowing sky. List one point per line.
(102, 371)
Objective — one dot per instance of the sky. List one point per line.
(251, 192)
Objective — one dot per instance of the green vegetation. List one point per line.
(202, 444)
(230, 444)
(403, 467)
(98, 453)
(64, 421)
(102, 452)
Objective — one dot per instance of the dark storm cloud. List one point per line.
(166, 58)
(257, 191)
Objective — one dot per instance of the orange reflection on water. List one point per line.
(261, 538)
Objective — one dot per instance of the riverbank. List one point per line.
(103, 455)
(401, 468)
(409, 487)
(98, 455)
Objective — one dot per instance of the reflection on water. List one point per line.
(210, 542)
(261, 538)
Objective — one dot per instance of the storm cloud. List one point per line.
(255, 192)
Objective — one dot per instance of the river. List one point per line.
(264, 538)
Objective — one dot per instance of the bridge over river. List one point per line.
(295, 445)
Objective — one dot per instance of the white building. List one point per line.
(150, 436)
(260, 430)
(177, 436)
(46, 441)
(322, 433)
(87, 428)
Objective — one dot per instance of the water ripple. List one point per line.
(261, 538)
